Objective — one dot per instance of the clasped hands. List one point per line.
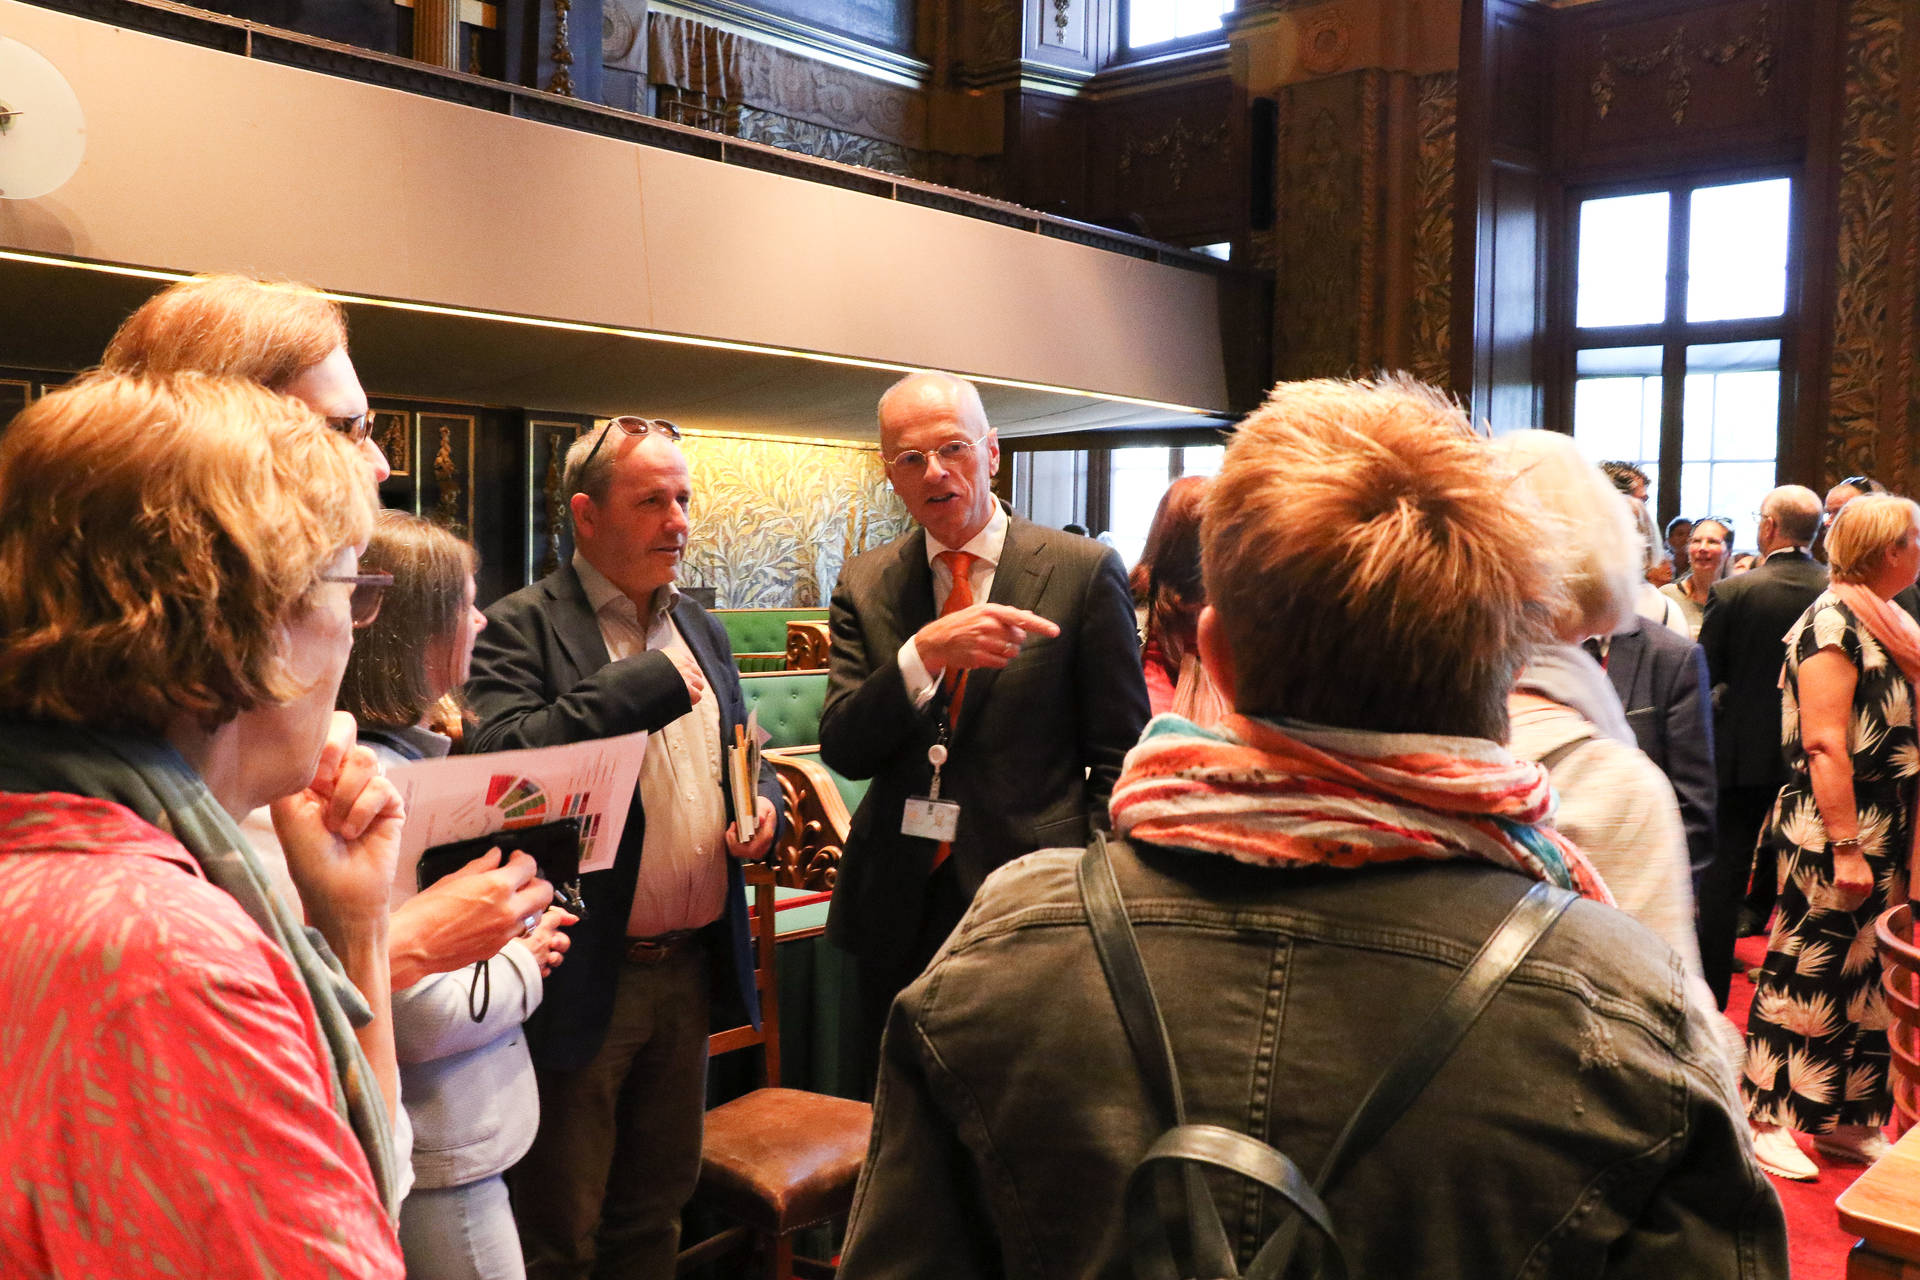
(981, 635)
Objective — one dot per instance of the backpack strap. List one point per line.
(1431, 1044)
(1429, 1047)
(1150, 1227)
(1133, 997)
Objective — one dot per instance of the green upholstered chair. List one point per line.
(759, 636)
(789, 704)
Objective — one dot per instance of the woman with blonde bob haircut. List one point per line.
(178, 592)
(1844, 831)
(1615, 804)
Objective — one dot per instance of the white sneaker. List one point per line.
(1780, 1155)
(1852, 1144)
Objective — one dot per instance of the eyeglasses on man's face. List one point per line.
(368, 590)
(355, 427)
(953, 455)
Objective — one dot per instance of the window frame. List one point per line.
(1097, 514)
(1124, 50)
(1674, 333)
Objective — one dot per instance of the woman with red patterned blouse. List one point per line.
(193, 1083)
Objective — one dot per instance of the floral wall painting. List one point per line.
(773, 520)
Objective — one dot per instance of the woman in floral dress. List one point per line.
(1817, 1057)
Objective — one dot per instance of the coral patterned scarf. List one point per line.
(1285, 794)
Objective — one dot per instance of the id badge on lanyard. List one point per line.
(929, 817)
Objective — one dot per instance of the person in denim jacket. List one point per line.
(1307, 879)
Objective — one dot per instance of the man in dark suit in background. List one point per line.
(606, 646)
(1661, 677)
(1744, 635)
(1003, 649)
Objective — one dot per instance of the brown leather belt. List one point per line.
(661, 947)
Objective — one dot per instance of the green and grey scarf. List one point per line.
(153, 780)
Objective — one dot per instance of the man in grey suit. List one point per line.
(1744, 635)
(985, 674)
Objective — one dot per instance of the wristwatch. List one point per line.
(1851, 843)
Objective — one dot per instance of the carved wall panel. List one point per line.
(549, 533)
(1430, 348)
(1874, 385)
(1327, 225)
(773, 520)
(691, 56)
(1064, 32)
(1166, 158)
(1691, 81)
(776, 130)
(444, 470)
(987, 38)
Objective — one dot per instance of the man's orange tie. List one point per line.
(959, 596)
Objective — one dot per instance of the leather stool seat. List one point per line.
(781, 1159)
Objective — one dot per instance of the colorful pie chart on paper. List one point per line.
(521, 802)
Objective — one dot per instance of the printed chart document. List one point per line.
(460, 797)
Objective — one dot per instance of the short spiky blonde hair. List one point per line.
(262, 331)
(1366, 565)
(1865, 531)
(154, 534)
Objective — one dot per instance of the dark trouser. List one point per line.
(1743, 811)
(618, 1151)
(877, 983)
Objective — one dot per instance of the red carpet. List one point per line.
(1817, 1244)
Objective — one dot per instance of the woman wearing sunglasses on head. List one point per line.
(196, 1085)
(467, 1082)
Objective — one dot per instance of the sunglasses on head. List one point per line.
(368, 590)
(633, 426)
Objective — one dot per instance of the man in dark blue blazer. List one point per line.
(607, 646)
(1744, 635)
(1661, 677)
